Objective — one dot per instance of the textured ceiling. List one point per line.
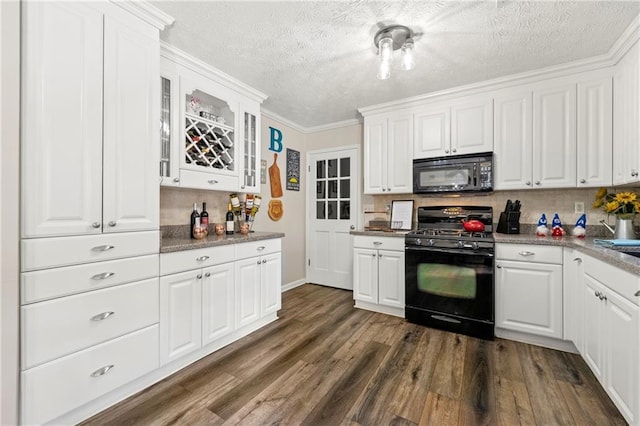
(317, 63)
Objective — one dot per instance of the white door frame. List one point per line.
(310, 192)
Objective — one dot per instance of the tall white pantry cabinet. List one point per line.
(90, 201)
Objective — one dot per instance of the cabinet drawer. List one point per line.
(622, 282)
(203, 180)
(257, 248)
(50, 283)
(55, 388)
(529, 253)
(382, 243)
(44, 253)
(62, 326)
(187, 260)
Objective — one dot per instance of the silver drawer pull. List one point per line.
(105, 247)
(102, 371)
(377, 243)
(102, 316)
(103, 276)
(526, 253)
(212, 181)
(577, 259)
(202, 258)
(261, 248)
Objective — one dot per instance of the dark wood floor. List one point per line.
(326, 363)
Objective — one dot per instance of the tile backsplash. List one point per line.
(176, 205)
(534, 203)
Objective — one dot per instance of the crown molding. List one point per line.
(196, 65)
(306, 130)
(147, 12)
(619, 48)
(277, 117)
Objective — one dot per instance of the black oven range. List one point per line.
(449, 275)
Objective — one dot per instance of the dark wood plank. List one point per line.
(447, 375)
(478, 393)
(506, 360)
(512, 403)
(440, 410)
(335, 405)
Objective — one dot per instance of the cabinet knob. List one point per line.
(528, 183)
(498, 266)
(264, 261)
(352, 227)
(634, 173)
(374, 255)
(446, 151)
(577, 259)
(384, 189)
(176, 180)
(637, 293)
(537, 182)
(242, 187)
(202, 258)
(208, 274)
(199, 276)
(583, 181)
(379, 254)
(454, 150)
(102, 371)
(96, 224)
(389, 189)
(112, 223)
(212, 181)
(258, 262)
(597, 294)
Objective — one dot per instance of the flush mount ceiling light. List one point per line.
(388, 39)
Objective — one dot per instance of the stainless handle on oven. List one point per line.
(447, 319)
(526, 253)
(454, 251)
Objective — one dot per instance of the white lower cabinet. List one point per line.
(51, 390)
(180, 315)
(378, 274)
(199, 307)
(529, 289)
(611, 333)
(572, 276)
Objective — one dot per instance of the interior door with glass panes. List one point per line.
(333, 205)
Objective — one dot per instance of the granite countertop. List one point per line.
(177, 239)
(610, 255)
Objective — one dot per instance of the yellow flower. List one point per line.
(598, 203)
(611, 206)
(636, 205)
(601, 193)
(625, 197)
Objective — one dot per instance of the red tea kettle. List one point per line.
(473, 225)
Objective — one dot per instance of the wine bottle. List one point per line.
(195, 221)
(204, 219)
(230, 220)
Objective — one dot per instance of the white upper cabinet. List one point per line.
(387, 153)
(432, 131)
(626, 127)
(210, 124)
(89, 120)
(513, 140)
(463, 126)
(554, 136)
(535, 136)
(595, 132)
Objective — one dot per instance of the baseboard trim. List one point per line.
(293, 284)
(532, 339)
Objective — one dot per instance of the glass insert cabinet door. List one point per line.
(209, 142)
(333, 189)
(250, 177)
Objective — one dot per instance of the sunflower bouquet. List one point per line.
(623, 204)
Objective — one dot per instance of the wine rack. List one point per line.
(208, 144)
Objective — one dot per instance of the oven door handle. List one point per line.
(438, 250)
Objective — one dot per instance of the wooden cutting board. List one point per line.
(274, 178)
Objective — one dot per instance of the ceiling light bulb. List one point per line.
(384, 71)
(408, 59)
(385, 49)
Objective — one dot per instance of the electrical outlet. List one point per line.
(578, 207)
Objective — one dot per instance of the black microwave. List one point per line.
(471, 173)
